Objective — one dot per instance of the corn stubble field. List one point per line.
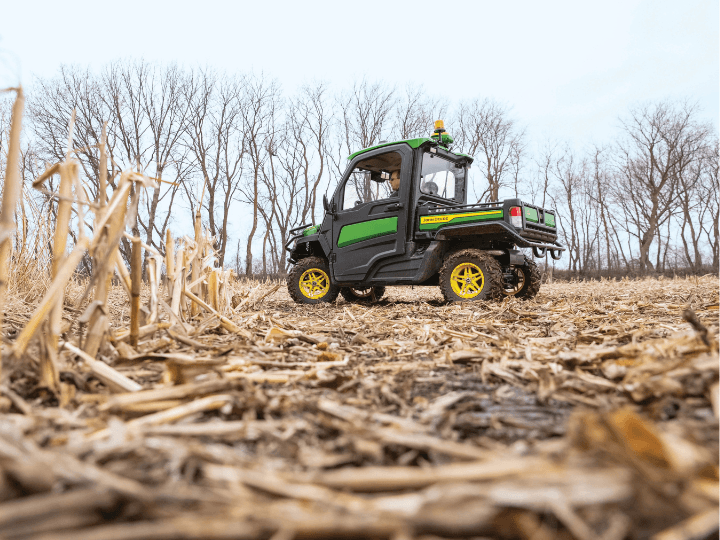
(589, 413)
(199, 406)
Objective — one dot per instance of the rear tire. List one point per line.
(352, 294)
(471, 275)
(309, 282)
(528, 281)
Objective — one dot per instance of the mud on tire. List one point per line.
(309, 282)
(470, 275)
(362, 295)
(529, 278)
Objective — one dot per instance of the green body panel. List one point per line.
(549, 220)
(531, 214)
(414, 143)
(311, 230)
(454, 219)
(357, 232)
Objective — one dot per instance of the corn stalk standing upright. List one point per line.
(10, 194)
(104, 258)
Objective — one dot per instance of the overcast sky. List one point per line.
(568, 68)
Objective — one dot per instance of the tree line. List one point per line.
(256, 160)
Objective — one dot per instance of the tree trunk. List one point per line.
(249, 257)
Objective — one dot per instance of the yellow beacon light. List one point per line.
(440, 135)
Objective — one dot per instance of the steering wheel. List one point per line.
(431, 188)
(358, 203)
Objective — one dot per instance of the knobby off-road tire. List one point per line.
(309, 282)
(362, 295)
(470, 275)
(529, 276)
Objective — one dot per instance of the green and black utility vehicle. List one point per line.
(399, 217)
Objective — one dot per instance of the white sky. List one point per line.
(569, 68)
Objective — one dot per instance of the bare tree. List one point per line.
(284, 188)
(166, 114)
(238, 262)
(538, 186)
(364, 114)
(263, 98)
(579, 228)
(710, 193)
(692, 210)
(147, 116)
(216, 144)
(599, 196)
(661, 142)
(289, 184)
(486, 131)
(310, 121)
(415, 113)
(50, 107)
(141, 104)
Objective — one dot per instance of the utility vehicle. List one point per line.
(375, 233)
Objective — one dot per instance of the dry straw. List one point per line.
(198, 406)
(110, 221)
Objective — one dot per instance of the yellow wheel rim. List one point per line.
(314, 283)
(467, 280)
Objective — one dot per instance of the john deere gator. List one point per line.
(399, 216)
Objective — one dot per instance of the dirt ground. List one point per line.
(590, 412)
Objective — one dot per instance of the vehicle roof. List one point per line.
(413, 143)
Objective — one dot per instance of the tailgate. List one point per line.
(538, 223)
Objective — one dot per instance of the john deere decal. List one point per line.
(428, 223)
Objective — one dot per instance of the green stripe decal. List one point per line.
(531, 214)
(431, 223)
(549, 220)
(357, 232)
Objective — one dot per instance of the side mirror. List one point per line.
(326, 204)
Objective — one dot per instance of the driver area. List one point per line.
(370, 225)
(373, 179)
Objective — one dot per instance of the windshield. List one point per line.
(442, 178)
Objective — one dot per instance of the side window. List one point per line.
(372, 179)
(442, 177)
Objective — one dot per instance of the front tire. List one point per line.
(528, 281)
(309, 282)
(471, 275)
(370, 294)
